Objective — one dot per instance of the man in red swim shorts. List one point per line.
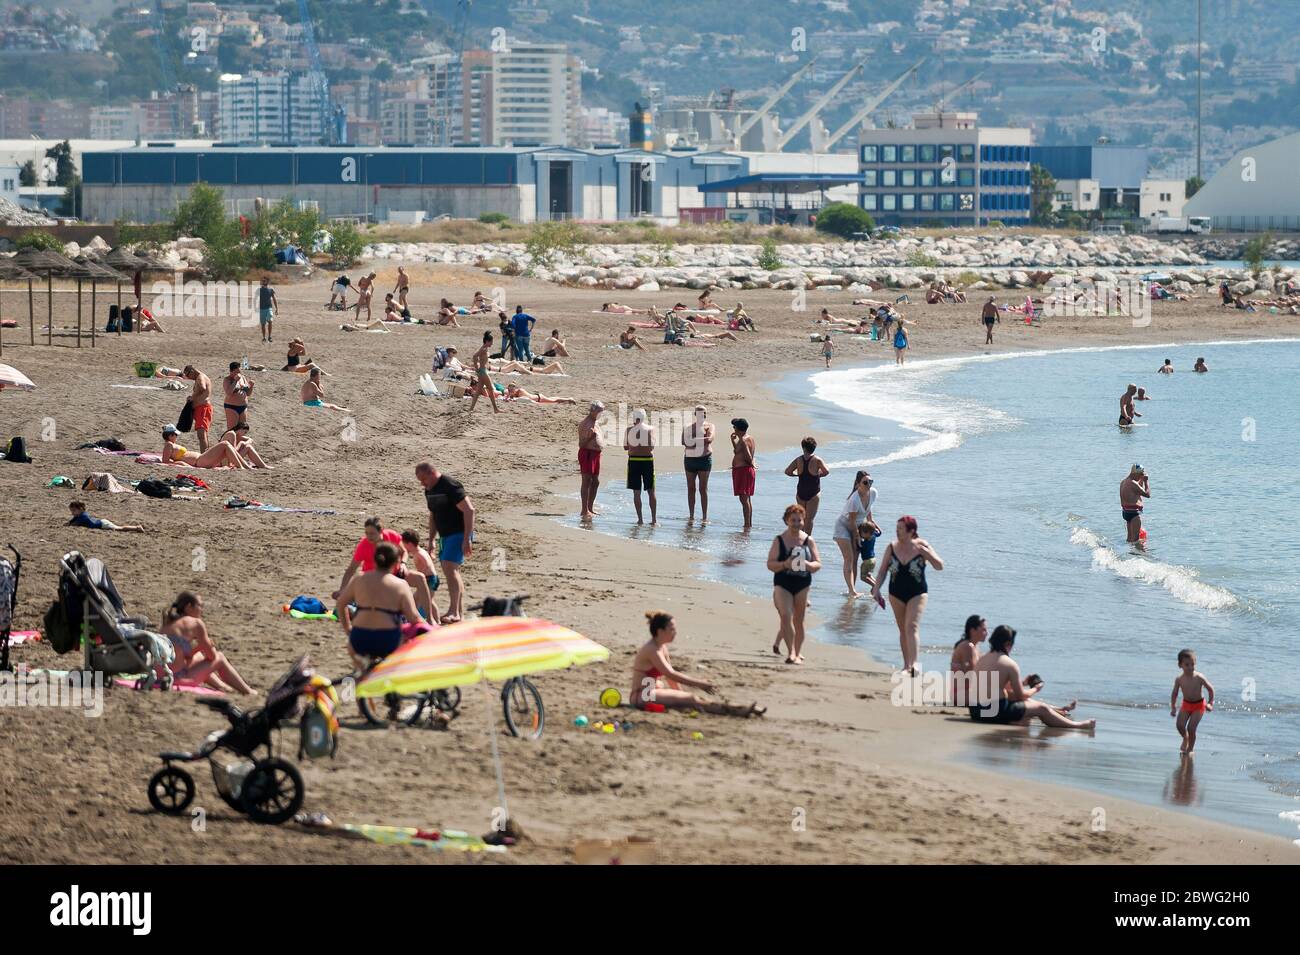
(743, 473)
(200, 403)
(589, 446)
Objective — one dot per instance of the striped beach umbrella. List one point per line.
(488, 648)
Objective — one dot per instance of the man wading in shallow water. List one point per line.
(589, 459)
(1131, 491)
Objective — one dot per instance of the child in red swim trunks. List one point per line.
(1194, 687)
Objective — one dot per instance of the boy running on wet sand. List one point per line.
(1194, 687)
(483, 381)
(828, 349)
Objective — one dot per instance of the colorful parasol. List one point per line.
(11, 377)
(488, 648)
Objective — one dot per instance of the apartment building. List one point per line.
(526, 92)
(271, 108)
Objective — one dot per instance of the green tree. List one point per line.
(552, 241)
(1192, 186)
(202, 213)
(39, 239)
(346, 243)
(768, 258)
(27, 174)
(226, 256)
(844, 219)
(65, 170)
(1042, 189)
(1255, 250)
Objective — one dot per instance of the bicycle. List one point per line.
(409, 709)
(521, 701)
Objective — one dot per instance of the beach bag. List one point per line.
(103, 481)
(109, 444)
(305, 604)
(17, 451)
(900, 340)
(151, 487)
(145, 369)
(439, 359)
(185, 423)
(63, 637)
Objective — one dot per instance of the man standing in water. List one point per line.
(698, 462)
(589, 459)
(639, 443)
(744, 474)
(1131, 491)
(989, 315)
(1126, 410)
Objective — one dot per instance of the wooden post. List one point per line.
(2, 323)
(78, 313)
(119, 309)
(49, 305)
(31, 309)
(93, 287)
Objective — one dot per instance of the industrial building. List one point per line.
(527, 183)
(945, 169)
(1102, 178)
(1257, 190)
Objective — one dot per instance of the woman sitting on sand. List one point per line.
(447, 314)
(238, 438)
(313, 394)
(965, 654)
(655, 681)
(392, 313)
(297, 360)
(515, 392)
(628, 339)
(220, 455)
(480, 305)
(197, 661)
(705, 301)
(738, 319)
(147, 322)
(381, 600)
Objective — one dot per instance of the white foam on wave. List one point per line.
(1182, 582)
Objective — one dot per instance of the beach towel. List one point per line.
(299, 615)
(119, 453)
(59, 481)
(24, 636)
(307, 604)
(177, 686)
(103, 481)
(238, 504)
(438, 840)
(140, 387)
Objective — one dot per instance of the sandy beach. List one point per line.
(832, 773)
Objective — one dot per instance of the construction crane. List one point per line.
(772, 100)
(871, 104)
(955, 90)
(335, 120)
(818, 106)
(456, 68)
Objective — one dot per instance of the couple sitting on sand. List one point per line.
(656, 684)
(972, 672)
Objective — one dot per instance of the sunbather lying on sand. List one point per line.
(730, 336)
(313, 394)
(220, 455)
(239, 439)
(197, 660)
(375, 325)
(514, 391)
(655, 681)
(481, 304)
(505, 366)
(620, 309)
(81, 519)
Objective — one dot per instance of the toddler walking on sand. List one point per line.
(1194, 687)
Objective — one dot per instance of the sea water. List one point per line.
(1012, 466)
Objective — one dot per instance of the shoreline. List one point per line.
(771, 414)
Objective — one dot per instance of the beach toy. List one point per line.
(579, 720)
(654, 707)
(610, 698)
(145, 369)
(627, 726)
(1142, 534)
(609, 727)
(692, 713)
(597, 725)
(284, 608)
(697, 735)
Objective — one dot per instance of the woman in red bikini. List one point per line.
(654, 680)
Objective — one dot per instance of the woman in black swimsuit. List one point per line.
(381, 600)
(905, 559)
(792, 559)
(810, 470)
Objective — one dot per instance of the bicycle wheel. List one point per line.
(171, 790)
(391, 708)
(522, 703)
(273, 791)
(446, 700)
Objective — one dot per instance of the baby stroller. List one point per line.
(89, 612)
(267, 789)
(8, 602)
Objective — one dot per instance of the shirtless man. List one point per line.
(365, 292)
(483, 381)
(313, 393)
(628, 339)
(1126, 410)
(238, 388)
(1014, 700)
(743, 472)
(402, 289)
(201, 403)
(555, 347)
(989, 315)
(589, 447)
(639, 443)
(1200, 366)
(1131, 491)
(697, 437)
(1167, 368)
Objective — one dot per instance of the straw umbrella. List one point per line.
(96, 273)
(43, 260)
(9, 272)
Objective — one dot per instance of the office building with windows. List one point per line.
(945, 170)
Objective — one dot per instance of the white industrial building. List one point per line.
(1258, 189)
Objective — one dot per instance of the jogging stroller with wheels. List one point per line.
(90, 613)
(266, 788)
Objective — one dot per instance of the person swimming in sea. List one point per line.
(1167, 368)
(1200, 366)
(1198, 699)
